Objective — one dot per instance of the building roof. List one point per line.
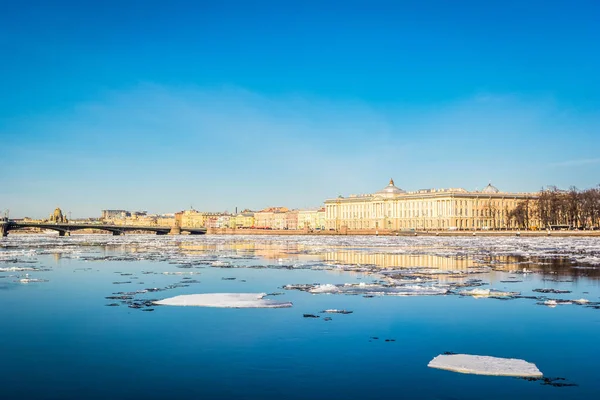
(490, 189)
(390, 190)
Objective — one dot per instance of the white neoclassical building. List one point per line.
(430, 209)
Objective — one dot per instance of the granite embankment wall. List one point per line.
(372, 232)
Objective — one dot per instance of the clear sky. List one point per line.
(163, 105)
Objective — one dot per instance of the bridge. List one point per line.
(65, 229)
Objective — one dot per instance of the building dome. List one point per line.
(490, 189)
(390, 190)
(57, 216)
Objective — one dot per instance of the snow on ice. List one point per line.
(485, 365)
(224, 300)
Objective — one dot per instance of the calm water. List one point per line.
(60, 340)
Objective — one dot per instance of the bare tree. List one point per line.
(491, 212)
(590, 207)
(520, 214)
(573, 208)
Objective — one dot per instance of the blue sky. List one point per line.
(161, 105)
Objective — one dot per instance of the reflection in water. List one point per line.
(376, 256)
(290, 251)
(550, 266)
(267, 250)
(384, 260)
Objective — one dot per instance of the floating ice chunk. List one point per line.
(476, 292)
(553, 303)
(371, 289)
(581, 301)
(220, 264)
(180, 273)
(485, 365)
(335, 311)
(556, 291)
(479, 293)
(17, 269)
(32, 280)
(326, 288)
(227, 300)
(550, 303)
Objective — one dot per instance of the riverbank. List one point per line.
(373, 232)
(362, 232)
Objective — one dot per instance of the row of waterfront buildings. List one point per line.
(429, 209)
(388, 209)
(279, 218)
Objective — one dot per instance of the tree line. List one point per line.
(556, 208)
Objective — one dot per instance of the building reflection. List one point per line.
(386, 260)
(269, 251)
(549, 267)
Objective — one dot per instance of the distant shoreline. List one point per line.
(371, 232)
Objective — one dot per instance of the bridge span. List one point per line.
(65, 229)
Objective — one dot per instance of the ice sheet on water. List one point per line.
(17, 269)
(224, 300)
(480, 293)
(485, 365)
(32, 280)
(336, 311)
(370, 289)
(581, 301)
(556, 302)
(578, 249)
(180, 273)
(326, 288)
(194, 251)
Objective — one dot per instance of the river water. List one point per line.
(78, 322)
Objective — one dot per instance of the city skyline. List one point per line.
(143, 106)
(321, 205)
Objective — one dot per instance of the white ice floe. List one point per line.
(485, 365)
(550, 303)
(581, 301)
(180, 273)
(476, 292)
(221, 264)
(32, 280)
(326, 288)
(479, 293)
(554, 303)
(17, 269)
(225, 300)
(372, 289)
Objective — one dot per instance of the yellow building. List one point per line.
(271, 218)
(192, 219)
(142, 220)
(311, 219)
(431, 209)
(244, 220)
(321, 218)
